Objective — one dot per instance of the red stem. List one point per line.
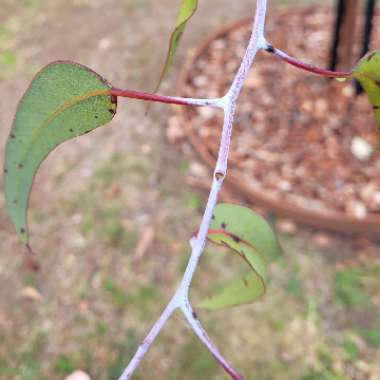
(147, 96)
(307, 66)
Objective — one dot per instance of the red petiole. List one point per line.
(148, 96)
(307, 66)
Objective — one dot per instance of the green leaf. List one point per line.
(239, 291)
(247, 226)
(187, 10)
(367, 72)
(63, 101)
(250, 236)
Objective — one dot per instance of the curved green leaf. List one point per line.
(249, 235)
(187, 10)
(63, 101)
(242, 289)
(367, 72)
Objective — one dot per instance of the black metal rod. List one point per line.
(369, 13)
(340, 12)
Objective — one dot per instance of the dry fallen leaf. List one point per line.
(145, 241)
(31, 294)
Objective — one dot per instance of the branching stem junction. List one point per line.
(180, 300)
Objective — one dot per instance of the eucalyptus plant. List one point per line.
(66, 100)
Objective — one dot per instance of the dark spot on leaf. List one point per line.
(224, 225)
(12, 136)
(20, 166)
(225, 243)
(195, 315)
(96, 116)
(15, 201)
(213, 217)
(71, 130)
(5, 170)
(22, 230)
(376, 107)
(377, 83)
(235, 238)
(371, 56)
(245, 282)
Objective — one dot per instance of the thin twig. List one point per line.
(203, 336)
(180, 298)
(147, 342)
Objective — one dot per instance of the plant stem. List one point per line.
(164, 99)
(256, 42)
(306, 66)
(203, 336)
(149, 339)
(228, 103)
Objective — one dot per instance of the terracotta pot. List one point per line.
(332, 220)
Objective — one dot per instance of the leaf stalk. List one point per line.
(306, 66)
(163, 99)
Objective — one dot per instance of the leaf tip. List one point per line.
(30, 262)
